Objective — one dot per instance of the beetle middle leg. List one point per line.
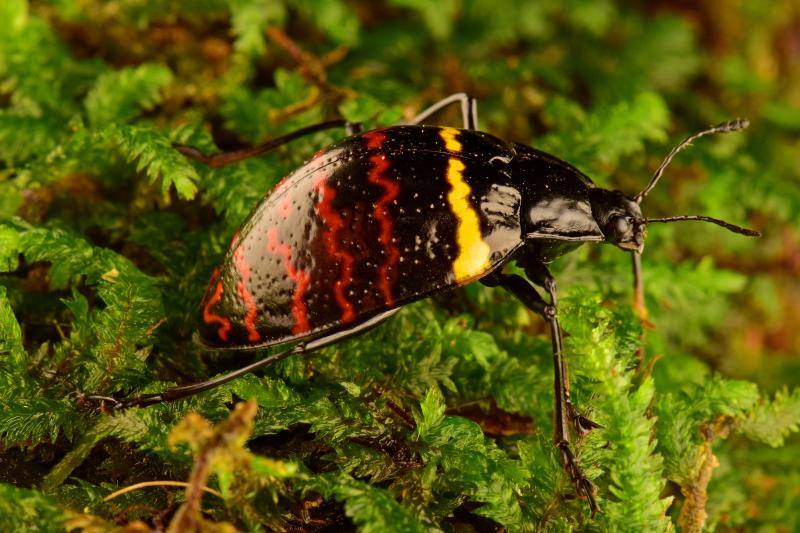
(525, 292)
(469, 110)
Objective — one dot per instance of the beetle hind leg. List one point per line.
(223, 159)
(110, 404)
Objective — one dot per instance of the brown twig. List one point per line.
(693, 513)
(311, 67)
(313, 98)
(239, 424)
(155, 326)
(396, 409)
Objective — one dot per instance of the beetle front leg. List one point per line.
(527, 294)
(541, 276)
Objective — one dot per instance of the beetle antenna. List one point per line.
(725, 127)
(727, 225)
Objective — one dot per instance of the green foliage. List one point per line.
(440, 419)
(117, 96)
(772, 421)
(604, 136)
(29, 510)
(603, 352)
(372, 509)
(153, 152)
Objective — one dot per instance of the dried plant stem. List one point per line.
(693, 513)
(161, 483)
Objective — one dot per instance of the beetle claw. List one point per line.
(107, 405)
(583, 425)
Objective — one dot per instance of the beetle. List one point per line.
(390, 216)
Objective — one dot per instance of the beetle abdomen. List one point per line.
(369, 224)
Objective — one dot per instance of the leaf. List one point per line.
(610, 132)
(156, 157)
(29, 510)
(24, 137)
(9, 249)
(438, 16)
(249, 18)
(104, 428)
(13, 17)
(432, 408)
(265, 467)
(624, 442)
(117, 97)
(726, 397)
(772, 421)
(373, 509)
(333, 17)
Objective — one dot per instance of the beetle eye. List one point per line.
(621, 226)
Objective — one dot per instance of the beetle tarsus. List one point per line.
(583, 486)
(109, 405)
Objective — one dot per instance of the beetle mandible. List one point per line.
(390, 216)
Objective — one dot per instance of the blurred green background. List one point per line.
(108, 237)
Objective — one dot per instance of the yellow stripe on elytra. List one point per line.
(473, 253)
(451, 142)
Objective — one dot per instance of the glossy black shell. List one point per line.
(382, 219)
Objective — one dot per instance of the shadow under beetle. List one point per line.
(390, 216)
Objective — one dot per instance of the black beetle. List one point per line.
(390, 216)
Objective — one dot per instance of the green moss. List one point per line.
(439, 419)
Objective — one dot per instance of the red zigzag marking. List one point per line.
(209, 317)
(333, 222)
(301, 280)
(380, 164)
(245, 272)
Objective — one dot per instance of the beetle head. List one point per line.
(620, 219)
